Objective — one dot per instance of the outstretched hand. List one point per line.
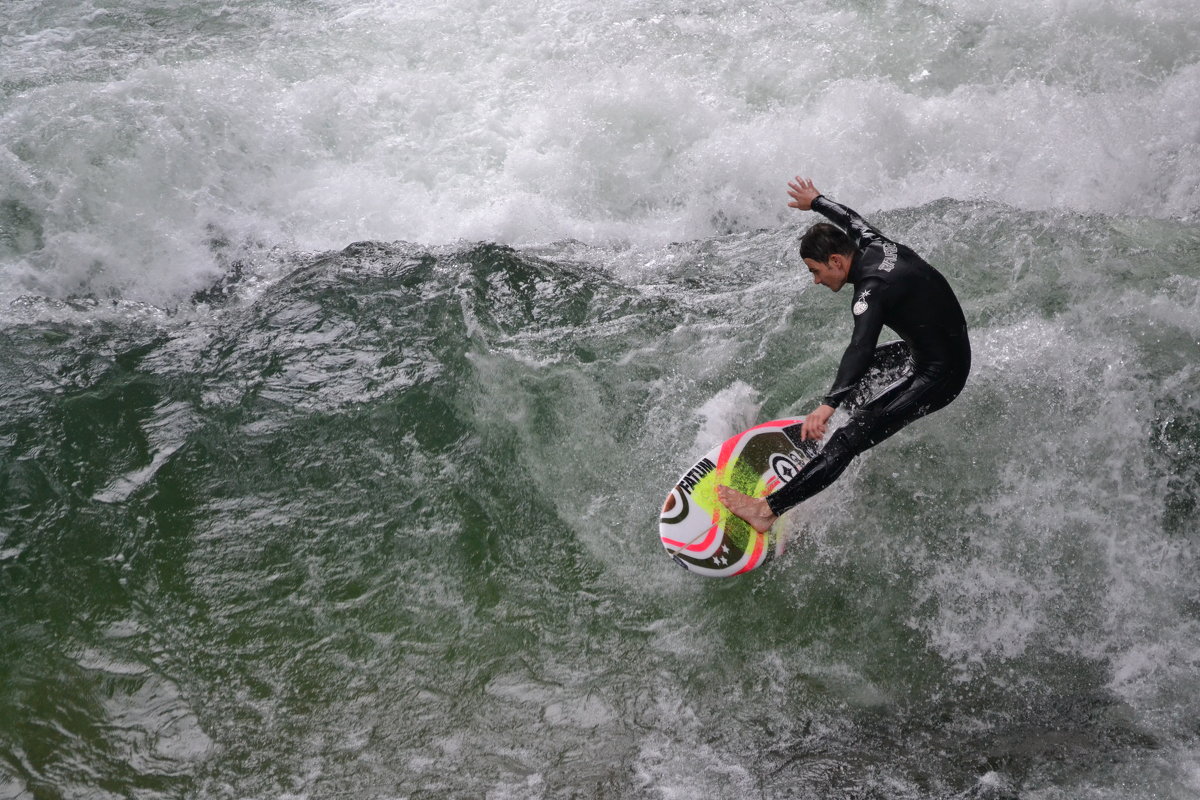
(815, 423)
(802, 192)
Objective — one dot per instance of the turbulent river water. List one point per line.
(348, 349)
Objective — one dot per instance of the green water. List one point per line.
(387, 528)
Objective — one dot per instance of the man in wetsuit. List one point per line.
(893, 286)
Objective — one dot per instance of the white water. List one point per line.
(138, 143)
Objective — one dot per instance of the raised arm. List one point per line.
(806, 197)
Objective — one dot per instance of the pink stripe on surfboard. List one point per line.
(727, 451)
(708, 540)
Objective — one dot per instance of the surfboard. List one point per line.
(700, 534)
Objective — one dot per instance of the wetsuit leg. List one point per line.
(879, 418)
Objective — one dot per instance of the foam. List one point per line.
(1067, 552)
(141, 165)
(734, 408)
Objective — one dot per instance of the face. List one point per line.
(832, 273)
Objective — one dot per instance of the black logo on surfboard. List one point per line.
(783, 467)
(688, 482)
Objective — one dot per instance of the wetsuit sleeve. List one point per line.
(848, 220)
(870, 300)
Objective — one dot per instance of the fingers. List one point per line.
(812, 429)
(803, 192)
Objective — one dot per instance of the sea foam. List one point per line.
(141, 154)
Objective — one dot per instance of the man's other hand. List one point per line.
(815, 423)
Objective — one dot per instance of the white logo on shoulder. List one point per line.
(889, 257)
(860, 305)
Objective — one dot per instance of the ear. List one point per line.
(840, 262)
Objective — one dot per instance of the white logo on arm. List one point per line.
(860, 305)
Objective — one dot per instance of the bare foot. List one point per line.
(754, 511)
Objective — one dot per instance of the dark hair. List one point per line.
(823, 240)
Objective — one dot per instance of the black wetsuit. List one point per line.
(893, 286)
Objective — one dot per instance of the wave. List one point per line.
(142, 152)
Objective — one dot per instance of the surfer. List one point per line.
(893, 286)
